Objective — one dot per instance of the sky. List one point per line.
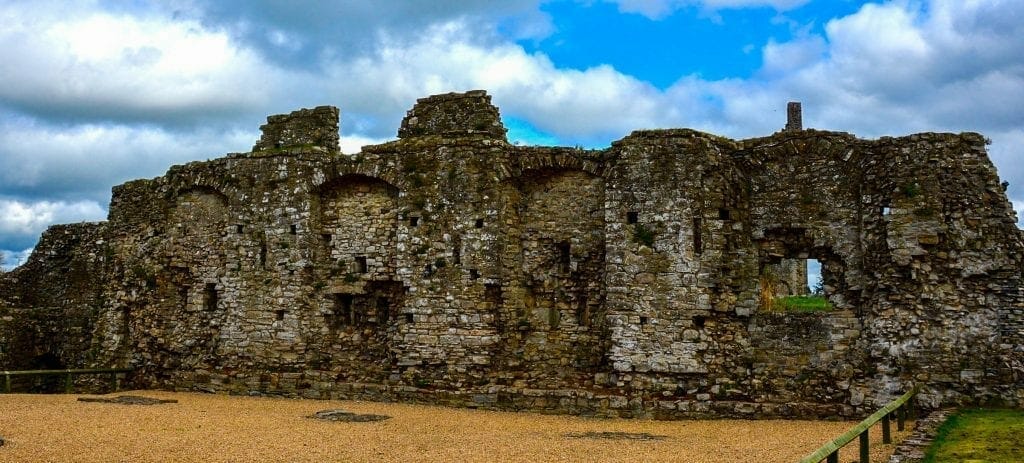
(96, 93)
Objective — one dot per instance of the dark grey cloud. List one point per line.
(309, 34)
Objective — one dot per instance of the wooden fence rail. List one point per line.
(68, 376)
(830, 451)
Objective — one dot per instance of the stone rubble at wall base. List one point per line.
(451, 267)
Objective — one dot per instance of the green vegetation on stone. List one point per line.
(808, 303)
(982, 435)
(643, 235)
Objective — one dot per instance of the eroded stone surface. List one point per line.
(451, 267)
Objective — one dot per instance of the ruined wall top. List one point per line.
(305, 127)
(453, 114)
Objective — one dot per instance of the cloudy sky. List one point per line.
(95, 93)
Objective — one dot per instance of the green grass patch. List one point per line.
(979, 435)
(802, 304)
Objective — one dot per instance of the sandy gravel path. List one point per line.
(216, 428)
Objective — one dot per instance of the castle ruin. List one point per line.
(452, 267)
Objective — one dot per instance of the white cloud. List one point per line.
(118, 65)
(23, 218)
(11, 259)
(86, 160)
(594, 102)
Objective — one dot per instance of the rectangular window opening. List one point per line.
(479, 223)
(724, 214)
(408, 318)
(327, 237)
(473, 274)
(583, 312)
(211, 298)
(294, 229)
(343, 313)
(279, 314)
(456, 256)
(239, 229)
(361, 264)
(564, 255)
(632, 217)
(414, 221)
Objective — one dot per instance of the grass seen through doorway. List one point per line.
(809, 303)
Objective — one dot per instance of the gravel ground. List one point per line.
(217, 428)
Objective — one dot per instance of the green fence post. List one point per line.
(886, 434)
(68, 384)
(865, 457)
(7, 382)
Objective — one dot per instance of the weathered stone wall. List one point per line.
(449, 266)
(48, 306)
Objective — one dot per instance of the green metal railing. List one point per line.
(69, 375)
(830, 451)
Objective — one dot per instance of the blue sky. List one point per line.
(100, 92)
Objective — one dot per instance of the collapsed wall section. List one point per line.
(48, 306)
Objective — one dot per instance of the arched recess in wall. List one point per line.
(358, 219)
(561, 216)
(357, 285)
(197, 224)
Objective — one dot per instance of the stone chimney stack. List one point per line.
(794, 117)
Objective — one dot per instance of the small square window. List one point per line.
(632, 217)
(724, 214)
(414, 221)
(479, 223)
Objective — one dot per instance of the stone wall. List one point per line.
(449, 266)
(49, 305)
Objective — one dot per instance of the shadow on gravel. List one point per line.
(348, 417)
(128, 400)
(615, 435)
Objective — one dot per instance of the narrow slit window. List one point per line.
(294, 229)
(564, 255)
(698, 240)
(456, 256)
